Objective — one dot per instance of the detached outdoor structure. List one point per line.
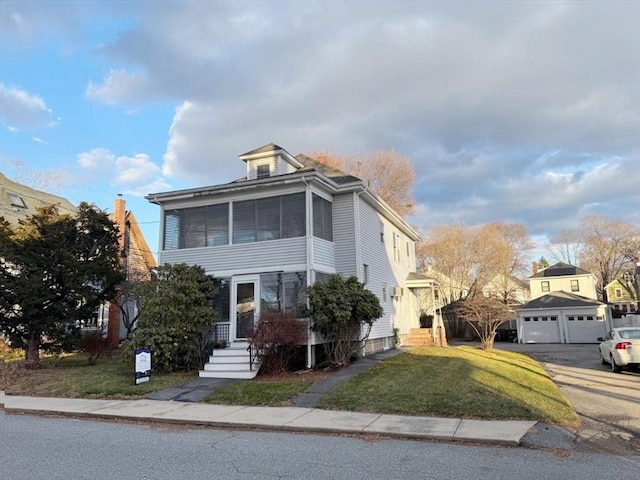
(290, 222)
(564, 307)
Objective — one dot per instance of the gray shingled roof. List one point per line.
(560, 269)
(271, 147)
(560, 300)
(333, 173)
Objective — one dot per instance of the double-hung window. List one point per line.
(322, 218)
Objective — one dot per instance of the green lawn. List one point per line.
(272, 392)
(456, 382)
(451, 382)
(71, 376)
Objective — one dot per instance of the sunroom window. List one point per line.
(196, 227)
(322, 218)
(269, 218)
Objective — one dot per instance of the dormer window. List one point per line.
(16, 200)
(263, 171)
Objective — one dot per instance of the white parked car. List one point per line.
(621, 348)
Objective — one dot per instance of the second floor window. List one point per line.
(258, 220)
(196, 227)
(575, 287)
(263, 171)
(322, 218)
(269, 218)
(545, 286)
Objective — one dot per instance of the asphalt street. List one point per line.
(42, 448)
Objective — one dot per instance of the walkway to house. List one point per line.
(196, 390)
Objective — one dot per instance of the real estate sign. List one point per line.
(143, 365)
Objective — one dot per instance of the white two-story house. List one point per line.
(290, 222)
(564, 307)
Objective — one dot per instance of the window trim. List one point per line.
(575, 285)
(260, 170)
(16, 200)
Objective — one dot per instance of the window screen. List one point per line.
(322, 218)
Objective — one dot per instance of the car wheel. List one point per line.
(615, 368)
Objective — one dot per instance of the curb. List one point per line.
(283, 419)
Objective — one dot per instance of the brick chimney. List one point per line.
(119, 217)
(535, 267)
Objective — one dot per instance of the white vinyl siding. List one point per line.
(265, 256)
(388, 268)
(344, 236)
(323, 253)
(567, 283)
(381, 277)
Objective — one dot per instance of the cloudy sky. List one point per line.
(515, 111)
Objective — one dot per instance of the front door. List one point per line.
(247, 302)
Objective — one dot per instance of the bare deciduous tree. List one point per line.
(50, 181)
(389, 175)
(484, 315)
(604, 247)
(565, 247)
(607, 249)
(472, 256)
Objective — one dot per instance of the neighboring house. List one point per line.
(450, 290)
(290, 222)
(17, 201)
(137, 262)
(622, 296)
(564, 307)
(508, 289)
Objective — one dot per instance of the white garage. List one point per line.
(542, 328)
(561, 317)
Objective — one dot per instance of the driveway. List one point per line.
(607, 403)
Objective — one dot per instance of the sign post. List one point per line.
(143, 365)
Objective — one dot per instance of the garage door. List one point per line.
(585, 328)
(541, 329)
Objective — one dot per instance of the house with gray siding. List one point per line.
(291, 221)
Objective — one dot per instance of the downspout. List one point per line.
(309, 245)
(358, 250)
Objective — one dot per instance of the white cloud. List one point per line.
(119, 87)
(23, 109)
(39, 140)
(136, 169)
(136, 175)
(98, 158)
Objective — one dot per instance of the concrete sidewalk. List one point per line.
(298, 419)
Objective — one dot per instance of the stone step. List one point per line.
(216, 367)
(239, 374)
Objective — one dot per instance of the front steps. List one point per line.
(423, 337)
(231, 362)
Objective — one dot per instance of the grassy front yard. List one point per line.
(450, 382)
(456, 382)
(70, 376)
